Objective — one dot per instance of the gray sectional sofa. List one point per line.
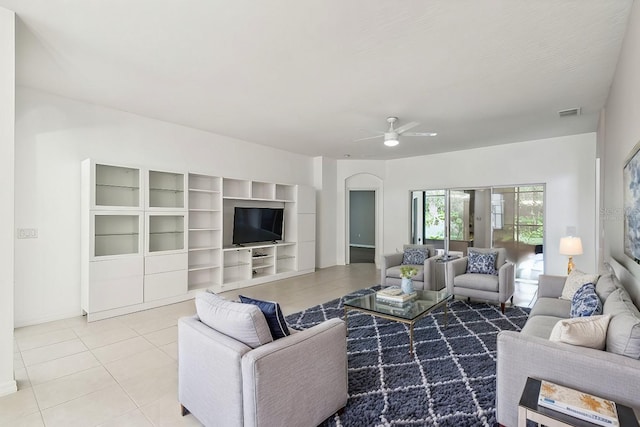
(613, 373)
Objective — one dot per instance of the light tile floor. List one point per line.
(123, 371)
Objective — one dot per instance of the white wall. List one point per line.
(326, 215)
(7, 115)
(566, 165)
(54, 134)
(621, 133)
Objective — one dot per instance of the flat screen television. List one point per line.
(251, 225)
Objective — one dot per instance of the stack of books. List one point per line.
(393, 295)
(580, 405)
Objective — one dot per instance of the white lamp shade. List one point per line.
(570, 246)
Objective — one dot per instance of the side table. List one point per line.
(528, 409)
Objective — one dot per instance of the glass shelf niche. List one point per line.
(166, 190)
(117, 186)
(116, 235)
(166, 233)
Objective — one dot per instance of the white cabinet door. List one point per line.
(306, 199)
(306, 227)
(115, 283)
(163, 263)
(306, 255)
(164, 285)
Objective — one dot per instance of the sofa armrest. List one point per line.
(455, 268)
(506, 280)
(550, 286)
(388, 261)
(430, 272)
(297, 380)
(209, 373)
(593, 371)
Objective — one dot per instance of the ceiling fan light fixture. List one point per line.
(391, 142)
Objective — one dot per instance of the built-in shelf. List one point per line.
(205, 231)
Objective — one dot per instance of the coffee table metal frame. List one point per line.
(422, 296)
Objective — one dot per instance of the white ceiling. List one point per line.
(309, 76)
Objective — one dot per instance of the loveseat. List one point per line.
(530, 353)
(426, 277)
(232, 372)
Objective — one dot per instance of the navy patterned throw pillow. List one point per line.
(585, 302)
(482, 263)
(414, 256)
(272, 313)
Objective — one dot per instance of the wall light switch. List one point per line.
(27, 233)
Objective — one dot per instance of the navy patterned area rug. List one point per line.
(448, 381)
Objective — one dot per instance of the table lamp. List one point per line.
(570, 246)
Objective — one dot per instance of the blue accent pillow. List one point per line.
(272, 313)
(482, 263)
(414, 256)
(585, 302)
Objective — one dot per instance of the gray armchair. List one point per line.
(297, 380)
(426, 277)
(498, 288)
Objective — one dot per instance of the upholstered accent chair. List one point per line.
(252, 380)
(496, 285)
(426, 277)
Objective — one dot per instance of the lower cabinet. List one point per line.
(165, 285)
(165, 276)
(114, 283)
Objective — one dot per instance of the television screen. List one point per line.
(257, 225)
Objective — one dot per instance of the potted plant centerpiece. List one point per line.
(406, 273)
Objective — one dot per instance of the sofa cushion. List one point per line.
(573, 282)
(482, 263)
(414, 256)
(540, 326)
(480, 282)
(588, 331)
(272, 313)
(551, 307)
(606, 284)
(395, 272)
(623, 336)
(243, 322)
(585, 302)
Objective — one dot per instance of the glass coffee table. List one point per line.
(408, 313)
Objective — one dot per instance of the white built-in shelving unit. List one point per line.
(112, 237)
(165, 267)
(205, 232)
(154, 237)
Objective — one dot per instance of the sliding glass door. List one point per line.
(501, 217)
(518, 226)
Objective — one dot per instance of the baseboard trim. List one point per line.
(8, 387)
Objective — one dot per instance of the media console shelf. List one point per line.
(245, 265)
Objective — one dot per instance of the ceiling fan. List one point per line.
(392, 135)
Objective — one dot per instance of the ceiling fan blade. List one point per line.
(368, 137)
(419, 134)
(406, 127)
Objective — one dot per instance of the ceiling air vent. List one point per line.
(570, 112)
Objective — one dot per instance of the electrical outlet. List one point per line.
(27, 233)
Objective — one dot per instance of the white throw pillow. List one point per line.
(590, 331)
(574, 281)
(243, 322)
